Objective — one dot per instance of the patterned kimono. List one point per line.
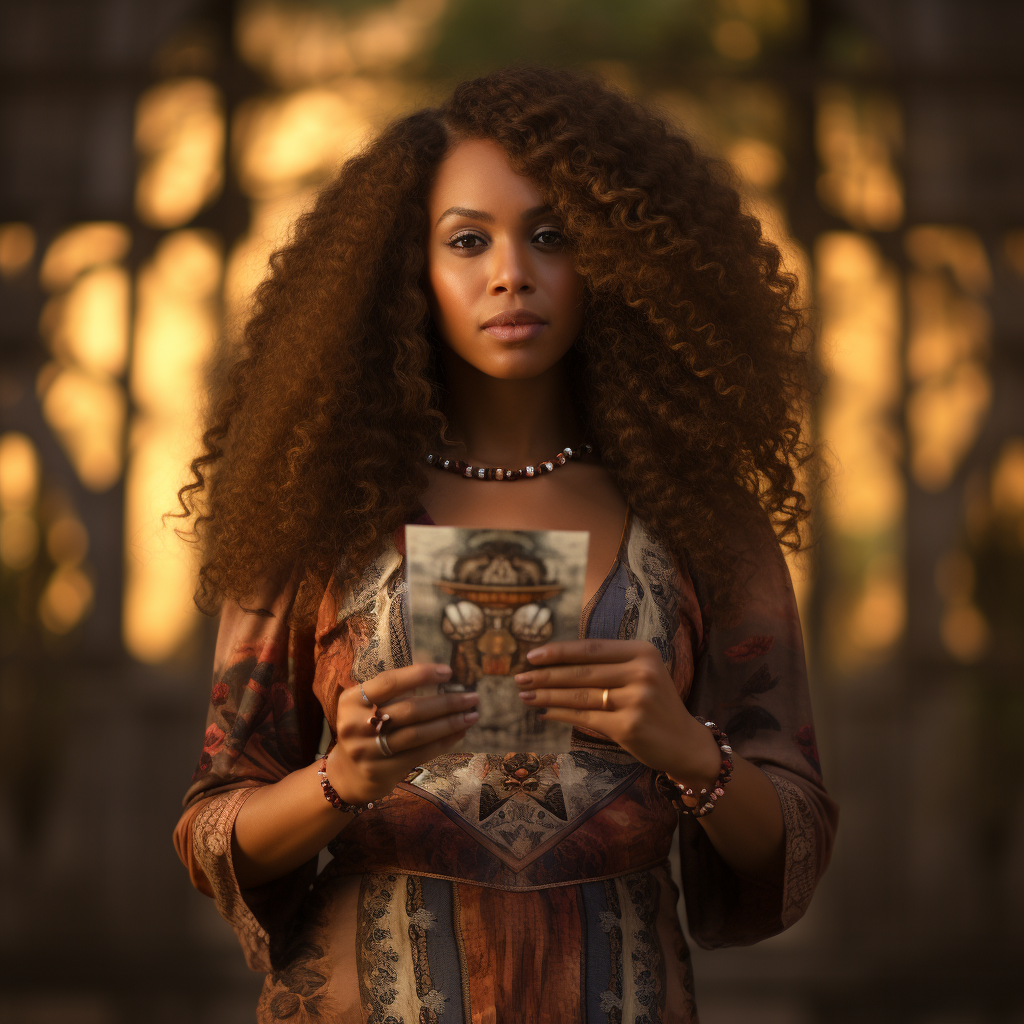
(471, 895)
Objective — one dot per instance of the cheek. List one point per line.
(451, 292)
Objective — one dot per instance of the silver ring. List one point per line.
(383, 744)
(604, 701)
(366, 700)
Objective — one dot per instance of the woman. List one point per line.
(538, 264)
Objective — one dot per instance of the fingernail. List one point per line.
(443, 670)
(522, 678)
(527, 695)
(537, 652)
(469, 698)
(471, 716)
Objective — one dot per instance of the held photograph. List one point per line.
(479, 600)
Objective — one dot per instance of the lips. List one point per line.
(512, 318)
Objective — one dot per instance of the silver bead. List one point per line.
(549, 466)
(567, 451)
(469, 471)
(446, 463)
(481, 474)
(529, 470)
(499, 474)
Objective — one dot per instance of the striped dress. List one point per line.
(474, 894)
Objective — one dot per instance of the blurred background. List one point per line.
(154, 153)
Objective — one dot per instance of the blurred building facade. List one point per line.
(155, 154)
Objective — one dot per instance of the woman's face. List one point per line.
(504, 293)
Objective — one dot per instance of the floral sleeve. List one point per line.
(263, 722)
(751, 679)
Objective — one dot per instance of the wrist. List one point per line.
(703, 761)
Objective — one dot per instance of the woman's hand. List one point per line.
(419, 728)
(644, 714)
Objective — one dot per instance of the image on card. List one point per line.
(479, 600)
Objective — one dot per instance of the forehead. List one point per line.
(477, 174)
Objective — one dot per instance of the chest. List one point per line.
(575, 497)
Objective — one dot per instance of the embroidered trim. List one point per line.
(211, 845)
(801, 843)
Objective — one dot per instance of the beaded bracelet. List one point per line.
(332, 794)
(673, 789)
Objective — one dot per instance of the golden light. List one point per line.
(67, 540)
(175, 333)
(17, 247)
(82, 247)
(947, 350)
(19, 472)
(304, 135)
(19, 540)
(736, 40)
(179, 133)
(865, 495)
(857, 138)
(87, 413)
(89, 324)
(298, 47)
(1008, 480)
(860, 352)
(269, 228)
(66, 600)
(757, 162)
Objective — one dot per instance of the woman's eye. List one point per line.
(464, 241)
(548, 237)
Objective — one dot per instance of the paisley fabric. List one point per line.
(474, 893)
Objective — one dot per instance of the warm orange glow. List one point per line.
(19, 540)
(757, 162)
(1008, 481)
(82, 247)
(19, 472)
(860, 352)
(736, 40)
(947, 350)
(305, 135)
(88, 325)
(67, 540)
(179, 133)
(87, 413)
(17, 247)
(66, 600)
(857, 137)
(175, 334)
(864, 500)
(298, 47)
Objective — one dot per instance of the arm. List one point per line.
(750, 678)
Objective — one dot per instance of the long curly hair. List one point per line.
(689, 371)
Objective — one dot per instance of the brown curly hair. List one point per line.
(689, 370)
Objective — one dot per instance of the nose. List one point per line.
(511, 270)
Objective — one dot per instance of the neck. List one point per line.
(508, 423)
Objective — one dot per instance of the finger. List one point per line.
(588, 718)
(396, 681)
(407, 737)
(601, 675)
(410, 710)
(562, 652)
(430, 750)
(580, 698)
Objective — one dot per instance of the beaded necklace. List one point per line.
(485, 473)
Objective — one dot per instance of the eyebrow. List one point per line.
(462, 211)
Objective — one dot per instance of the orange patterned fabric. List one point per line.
(463, 899)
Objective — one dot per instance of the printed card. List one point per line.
(478, 601)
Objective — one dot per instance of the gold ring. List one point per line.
(604, 700)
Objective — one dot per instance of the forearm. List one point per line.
(746, 826)
(282, 826)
